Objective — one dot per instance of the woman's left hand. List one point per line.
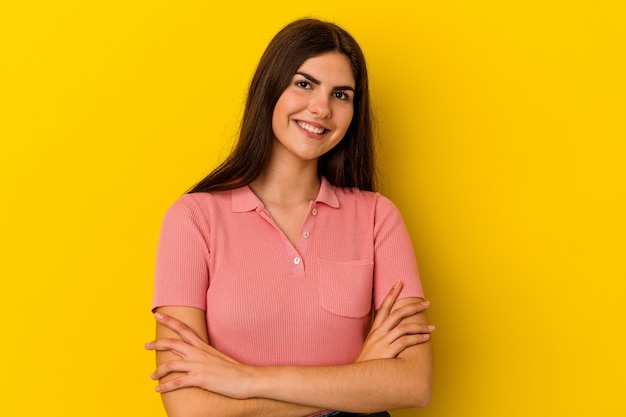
(390, 334)
(202, 365)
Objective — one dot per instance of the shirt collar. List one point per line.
(327, 194)
(245, 200)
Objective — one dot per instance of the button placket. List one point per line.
(293, 253)
(298, 258)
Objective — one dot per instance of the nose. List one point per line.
(320, 106)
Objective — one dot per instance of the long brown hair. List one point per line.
(351, 162)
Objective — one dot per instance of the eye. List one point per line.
(341, 95)
(303, 84)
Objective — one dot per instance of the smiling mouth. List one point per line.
(310, 128)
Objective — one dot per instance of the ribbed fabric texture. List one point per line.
(268, 302)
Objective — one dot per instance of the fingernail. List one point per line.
(426, 336)
(158, 389)
(431, 327)
(152, 376)
(425, 303)
(158, 315)
(398, 285)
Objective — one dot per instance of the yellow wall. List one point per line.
(502, 141)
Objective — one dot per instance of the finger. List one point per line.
(170, 367)
(177, 383)
(408, 310)
(185, 350)
(385, 308)
(407, 341)
(176, 346)
(180, 328)
(399, 314)
(409, 329)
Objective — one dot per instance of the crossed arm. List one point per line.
(393, 370)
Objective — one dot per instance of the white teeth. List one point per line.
(310, 128)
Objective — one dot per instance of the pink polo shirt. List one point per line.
(270, 303)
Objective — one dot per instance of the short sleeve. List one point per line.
(181, 275)
(394, 257)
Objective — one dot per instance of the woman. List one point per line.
(268, 269)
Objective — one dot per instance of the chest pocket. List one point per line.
(345, 288)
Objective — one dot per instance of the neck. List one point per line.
(287, 183)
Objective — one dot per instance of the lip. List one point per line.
(312, 135)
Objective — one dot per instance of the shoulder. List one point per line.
(354, 195)
(197, 207)
(200, 200)
(365, 199)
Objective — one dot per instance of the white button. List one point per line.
(297, 260)
(314, 212)
(306, 235)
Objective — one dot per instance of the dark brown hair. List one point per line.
(351, 162)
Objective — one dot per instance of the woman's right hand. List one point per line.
(389, 335)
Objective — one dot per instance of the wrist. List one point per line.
(257, 382)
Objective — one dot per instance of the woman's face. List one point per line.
(315, 110)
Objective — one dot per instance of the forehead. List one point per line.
(331, 67)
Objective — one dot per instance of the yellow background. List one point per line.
(502, 129)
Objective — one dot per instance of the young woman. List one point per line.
(270, 270)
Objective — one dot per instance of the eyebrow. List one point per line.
(317, 82)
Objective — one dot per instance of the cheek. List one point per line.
(283, 109)
(280, 114)
(347, 119)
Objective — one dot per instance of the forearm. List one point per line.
(365, 386)
(196, 402)
(360, 387)
(234, 389)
